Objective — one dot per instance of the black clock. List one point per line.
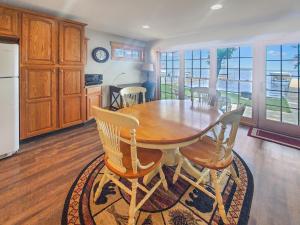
(100, 54)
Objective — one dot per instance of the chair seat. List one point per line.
(145, 157)
(204, 153)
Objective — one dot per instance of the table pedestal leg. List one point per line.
(171, 158)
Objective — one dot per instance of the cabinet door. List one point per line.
(71, 42)
(9, 22)
(94, 98)
(38, 101)
(39, 40)
(72, 98)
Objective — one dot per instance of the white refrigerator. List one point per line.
(9, 99)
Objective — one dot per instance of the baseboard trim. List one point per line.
(41, 136)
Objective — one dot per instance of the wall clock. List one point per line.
(100, 54)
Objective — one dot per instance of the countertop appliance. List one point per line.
(9, 99)
(93, 79)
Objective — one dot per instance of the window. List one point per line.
(125, 52)
(234, 74)
(197, 70)
(282, 83)
(169, 75)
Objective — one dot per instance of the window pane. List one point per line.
(205, 73)
(290, 99)
(233, 63)
(233, 86)
(169, 64)
(175, 56)
(246, 88)
(274, 66)
(246, 74)
(196, 73)
(196, 54)
(246, 63)
(289, 52)
(196, 64)
(290, 116)
(163, 56)
(290, 68)
(188, 64)
(273, 83)
(176, 72)
(273, 98)
(222, 53)
(233, 74)
(205, 63)
(205, 54)
(176, 64)
(188, 54)
(245, 52)
(273, 52)
(273, 113)
(188, 72)
(163, 64)
(233, 53)
(204, 83)
(222, 63)
(169, 56)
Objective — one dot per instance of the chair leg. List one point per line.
(178, 169)
(163, 178)
(101, 184)
(132, 207)
(235, 176)
(219, 198)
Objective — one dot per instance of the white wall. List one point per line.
(112, 69)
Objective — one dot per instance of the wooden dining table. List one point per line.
(168, 125)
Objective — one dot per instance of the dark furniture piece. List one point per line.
(93, 79)
(115, 97)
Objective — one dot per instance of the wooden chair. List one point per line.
(126, 160)
(131, 95)
(202, 93)
(214, 155)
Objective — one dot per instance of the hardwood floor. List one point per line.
(35, 182)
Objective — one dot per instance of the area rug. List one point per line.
(182, 204)
(274, 137)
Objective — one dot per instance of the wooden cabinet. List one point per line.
(9, 22)
(93, 98)
(38, 100)
(39, 40)
(72, 107)
(71, 43)
(52, 58)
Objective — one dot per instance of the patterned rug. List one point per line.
(182, 204)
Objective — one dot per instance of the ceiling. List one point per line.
(167, 18)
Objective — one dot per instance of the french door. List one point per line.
(279, 108)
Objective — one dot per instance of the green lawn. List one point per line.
(272, 102)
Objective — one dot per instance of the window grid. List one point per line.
(169, 75)
(237, 96)
(284, 104)
(190, 78)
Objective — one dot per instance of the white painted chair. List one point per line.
(213, 156)
(131, 95)
(126, 160)
(203, 95)
(223, 102)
